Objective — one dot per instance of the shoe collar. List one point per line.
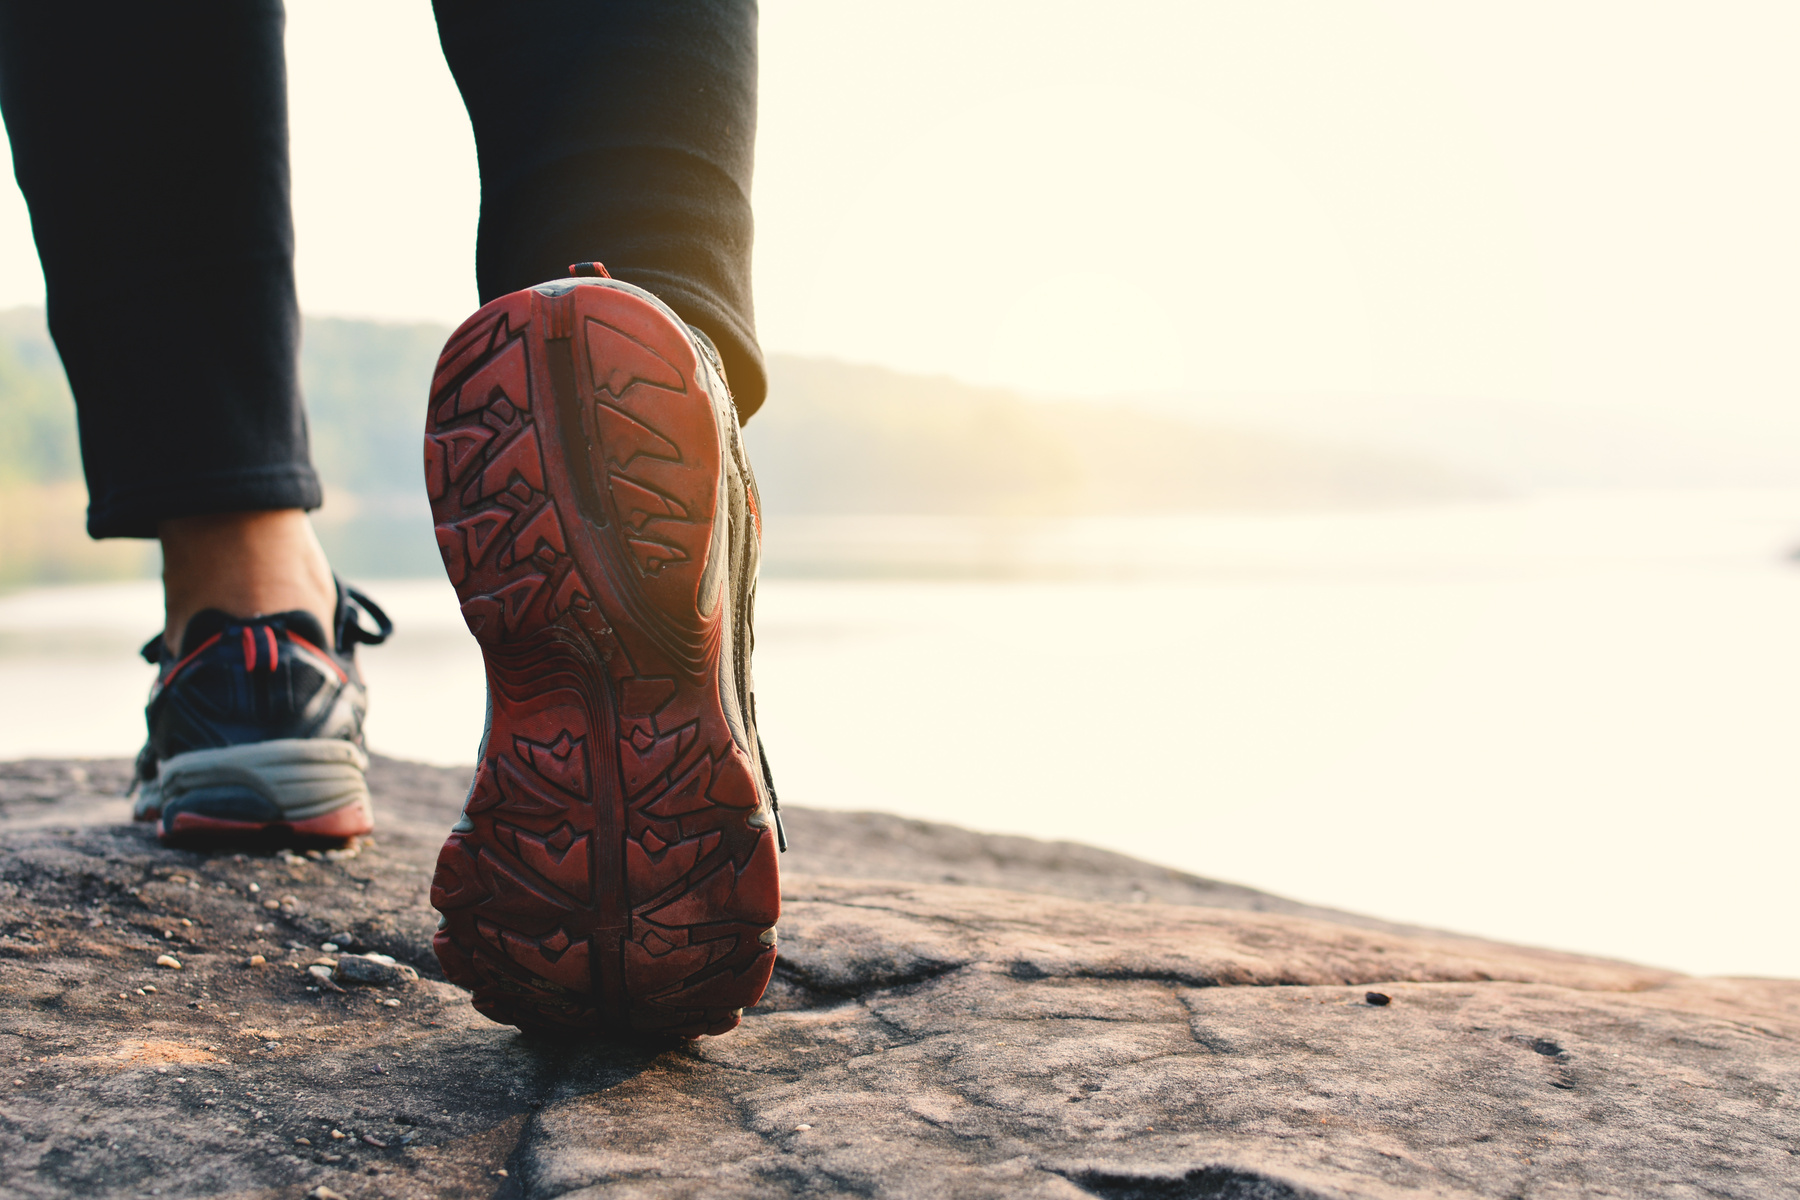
(348, 633)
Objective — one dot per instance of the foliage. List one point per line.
(37, 414)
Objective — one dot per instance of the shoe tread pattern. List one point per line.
(611, 872)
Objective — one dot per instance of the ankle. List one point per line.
(245, 564)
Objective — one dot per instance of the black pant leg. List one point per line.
(620, 131)
(150, 141)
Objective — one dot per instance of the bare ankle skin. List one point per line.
(245, 564)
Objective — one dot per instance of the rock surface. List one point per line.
(954, 1015)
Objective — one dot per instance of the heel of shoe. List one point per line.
(304, 787)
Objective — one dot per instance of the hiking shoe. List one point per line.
(614, 868)
(256, 729)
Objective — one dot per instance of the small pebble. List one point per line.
(302, 1141)
(322, 1192)
(501, 1172)
(169, 961)
(375, 1141)
(332, 1158)
(337, 1135)
(271, 1045)
(271, 904)
(379, 970)
(1376, 998)
(255, 888)
(257, 960)
(329, 947)
(801, 1128)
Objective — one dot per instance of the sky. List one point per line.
(1585, 203)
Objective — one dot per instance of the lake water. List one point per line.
(1568, 721)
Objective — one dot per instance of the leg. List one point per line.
(244, 563)
(618, 131)
(151, 144)
(615, 867)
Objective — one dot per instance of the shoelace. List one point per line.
(351, 632)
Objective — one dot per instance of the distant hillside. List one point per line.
(842, 438)
(365, 385)
(835, 438)
(364, 382)
(42, 501)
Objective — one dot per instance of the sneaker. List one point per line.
(256, 729)
(614, 868)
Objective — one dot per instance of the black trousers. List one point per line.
(151, 143)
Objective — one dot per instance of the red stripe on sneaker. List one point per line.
(329, 661)
(198, 650)
(249, 649)
(274, 652)
(339, 825)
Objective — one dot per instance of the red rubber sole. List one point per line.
(614, 870)
(334, 828)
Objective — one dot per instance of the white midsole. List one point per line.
(303, 777)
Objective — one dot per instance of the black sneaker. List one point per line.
(256, 728)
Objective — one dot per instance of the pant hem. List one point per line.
(133, 512)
